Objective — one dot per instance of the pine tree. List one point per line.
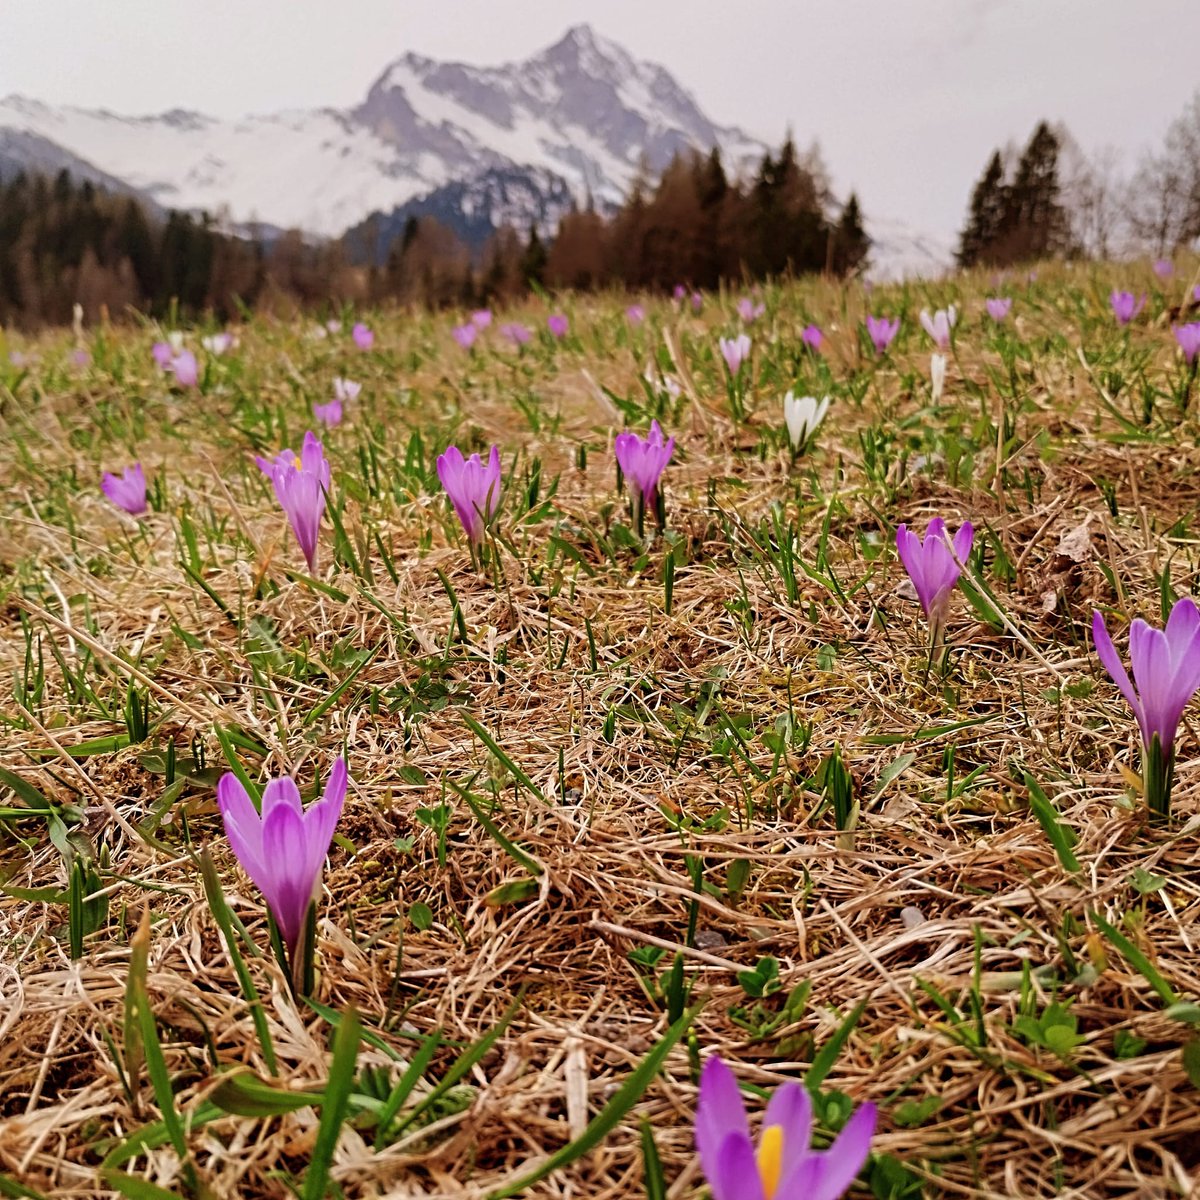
(1035, 222)
(533, 261)
(850, 242)
(985, 218)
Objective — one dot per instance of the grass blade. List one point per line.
(629, 1093)
(333, 1111)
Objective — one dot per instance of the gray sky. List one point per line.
(907, 98)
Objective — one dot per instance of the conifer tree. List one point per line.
(850, 244)
(985, 219)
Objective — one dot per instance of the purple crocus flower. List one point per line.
(162, 353)
(1125, 307)
(283, 847)
(783, 1167)
(939, 325)
(679, 293)
(345, 389)
(643, 460)
(127, 490)
(465, 335)
(474, 489)
(998, 307)
(812, 337)
(1164, 268)
(1166, 668)
(934, 565)
(735, 351)
(301, 482)
(1196, 292)
(697, 301)
(1188, 337)
(635, 314)
(748, 310)
(183, 367)
(364, 337)
(80, 357)
(882, 331)
(481, 318)
(334, 325)
(516, 333)
(558, 324)
(329, 413)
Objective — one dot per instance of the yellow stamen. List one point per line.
(770, 1159)
(296, 461)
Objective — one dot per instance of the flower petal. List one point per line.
(736, 1175)
(841, 1163)
(1111, 660)
(719, 1113)
(790, 1107)
(289, 884)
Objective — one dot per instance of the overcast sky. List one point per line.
(907, 98)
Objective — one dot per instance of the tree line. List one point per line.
(694, 226)
(63, 241)
(1051, 200)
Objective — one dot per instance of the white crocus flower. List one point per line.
(937, 375)
(938, 325)
(803, 415)
(175, 341)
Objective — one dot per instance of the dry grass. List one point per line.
(953, 890)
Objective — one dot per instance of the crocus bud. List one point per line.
(939, 325)
(283, 847)
(1166, 668)
(934, 566)
(735, 351)
(1188, 337)
(301, 482)
(473, 488)
(329, 413)
(882, 331)
(803, 415)
(1125, 307)
(345, 389)
(184, 368)
(937, 375)
(127, 490)
(642, 462)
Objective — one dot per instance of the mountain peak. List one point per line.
(582, 47)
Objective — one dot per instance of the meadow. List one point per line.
(620, 800)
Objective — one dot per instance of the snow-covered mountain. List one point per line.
(516, 142)
(900, 252)
(583, 110)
